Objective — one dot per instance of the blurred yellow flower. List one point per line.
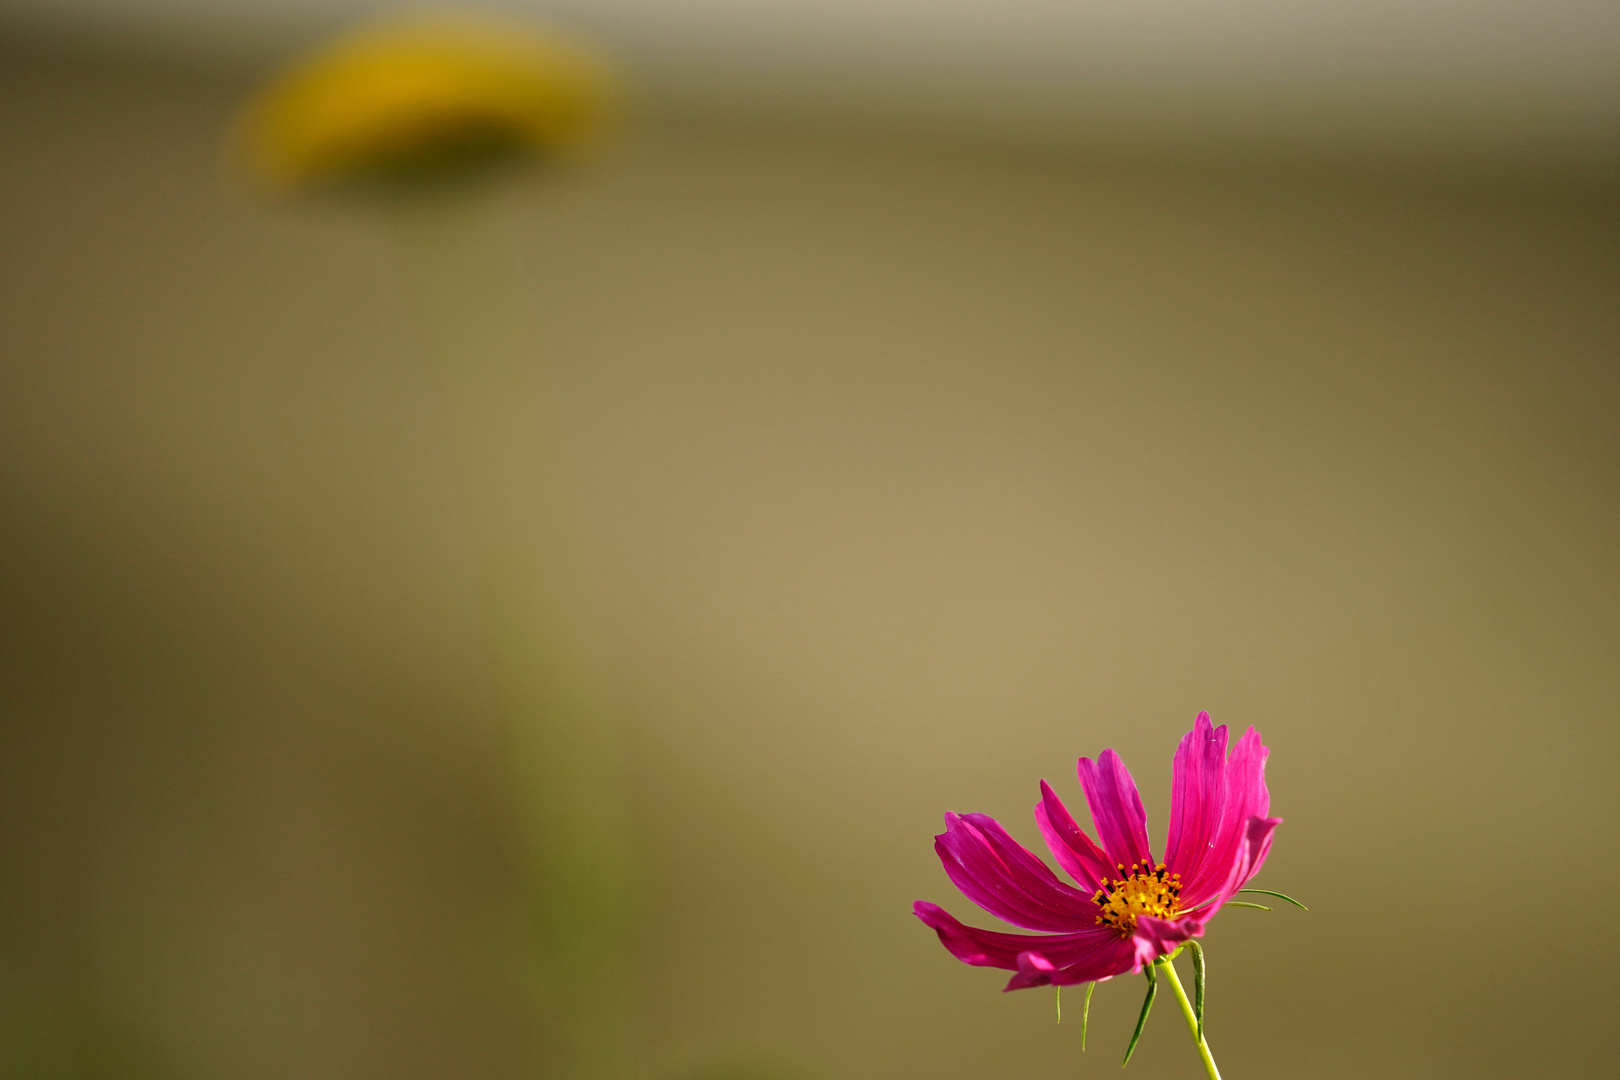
(427, 97)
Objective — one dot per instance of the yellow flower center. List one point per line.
(1145, 890)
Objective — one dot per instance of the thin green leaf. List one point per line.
(1278, 895)
(1195, 907)
(1059, 990)
(1244, 903)
(1147, 1006)
(1085, 1015)
(1198, 985)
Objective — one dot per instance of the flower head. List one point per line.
(1129, 909)
(426, 96)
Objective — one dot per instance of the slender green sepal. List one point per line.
(1244, 903)
(1085, 1014)
(1059, 997)
(1195, 907)
(1198, 985)
(1278, 895)
(1147, 1007)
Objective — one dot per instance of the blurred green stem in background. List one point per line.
(564, 745)
(1168, 967)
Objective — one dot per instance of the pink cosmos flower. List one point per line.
(1129, 909)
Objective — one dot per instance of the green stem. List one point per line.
(565, 758)
(1192, 1020)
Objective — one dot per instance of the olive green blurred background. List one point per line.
(912, 469)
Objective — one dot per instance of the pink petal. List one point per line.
(1261, 831)
(1006, 879)
(1246, 797)
(1033, 970)
(1116, 809)
(1083, 860)
(1111, 957)
(1252, 854)
(1197, 796)
(1161, 937)
(989, 948)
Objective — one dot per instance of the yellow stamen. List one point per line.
(1144, 890)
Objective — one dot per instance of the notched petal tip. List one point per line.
(1116, 808)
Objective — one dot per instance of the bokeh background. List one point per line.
(950, 391)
